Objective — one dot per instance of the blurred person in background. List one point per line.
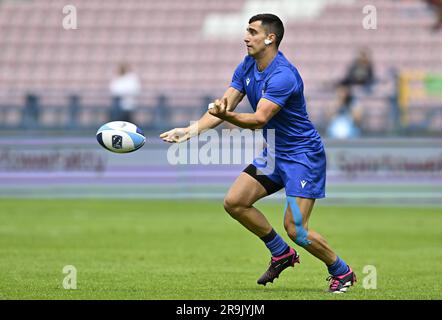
(360, 72)
(345, 123)
(124, 88)
(436, 5)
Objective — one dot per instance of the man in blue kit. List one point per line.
(276, 93)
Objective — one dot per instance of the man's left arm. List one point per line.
(265, 111)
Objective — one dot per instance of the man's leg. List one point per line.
(239, 201)
(296, 220)
(245, 191)
(317, 246)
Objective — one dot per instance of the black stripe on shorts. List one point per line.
(268, 184)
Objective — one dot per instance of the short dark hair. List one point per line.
(272, 24)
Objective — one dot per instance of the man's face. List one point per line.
(254, 38)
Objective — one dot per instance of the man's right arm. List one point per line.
(206, 122)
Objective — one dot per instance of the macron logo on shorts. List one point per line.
(303, 183)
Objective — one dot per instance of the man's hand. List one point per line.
(219, 108)
(176, 135)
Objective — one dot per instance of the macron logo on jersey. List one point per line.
(247, 81)
(303, 183)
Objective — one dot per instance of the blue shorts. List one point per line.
(302, 176)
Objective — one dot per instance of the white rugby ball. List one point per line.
(120, 136)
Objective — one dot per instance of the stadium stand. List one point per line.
(185, 53)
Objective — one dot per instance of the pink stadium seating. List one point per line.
(163, 41)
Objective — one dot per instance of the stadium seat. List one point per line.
(166, 43)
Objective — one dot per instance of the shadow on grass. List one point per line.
(285, 290)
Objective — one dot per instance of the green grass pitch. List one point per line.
(136, 249)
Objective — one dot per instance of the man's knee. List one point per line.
(297, 234)
(233, 206)
(296, 227)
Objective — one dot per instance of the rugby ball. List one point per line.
(120, 137)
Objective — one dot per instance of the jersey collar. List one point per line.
(262, 75)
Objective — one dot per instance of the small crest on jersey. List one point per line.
(117, 142)
(247, 81)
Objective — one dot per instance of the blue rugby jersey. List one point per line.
(280, 83)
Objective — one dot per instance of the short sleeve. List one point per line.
(237, 79)
(280, 87)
